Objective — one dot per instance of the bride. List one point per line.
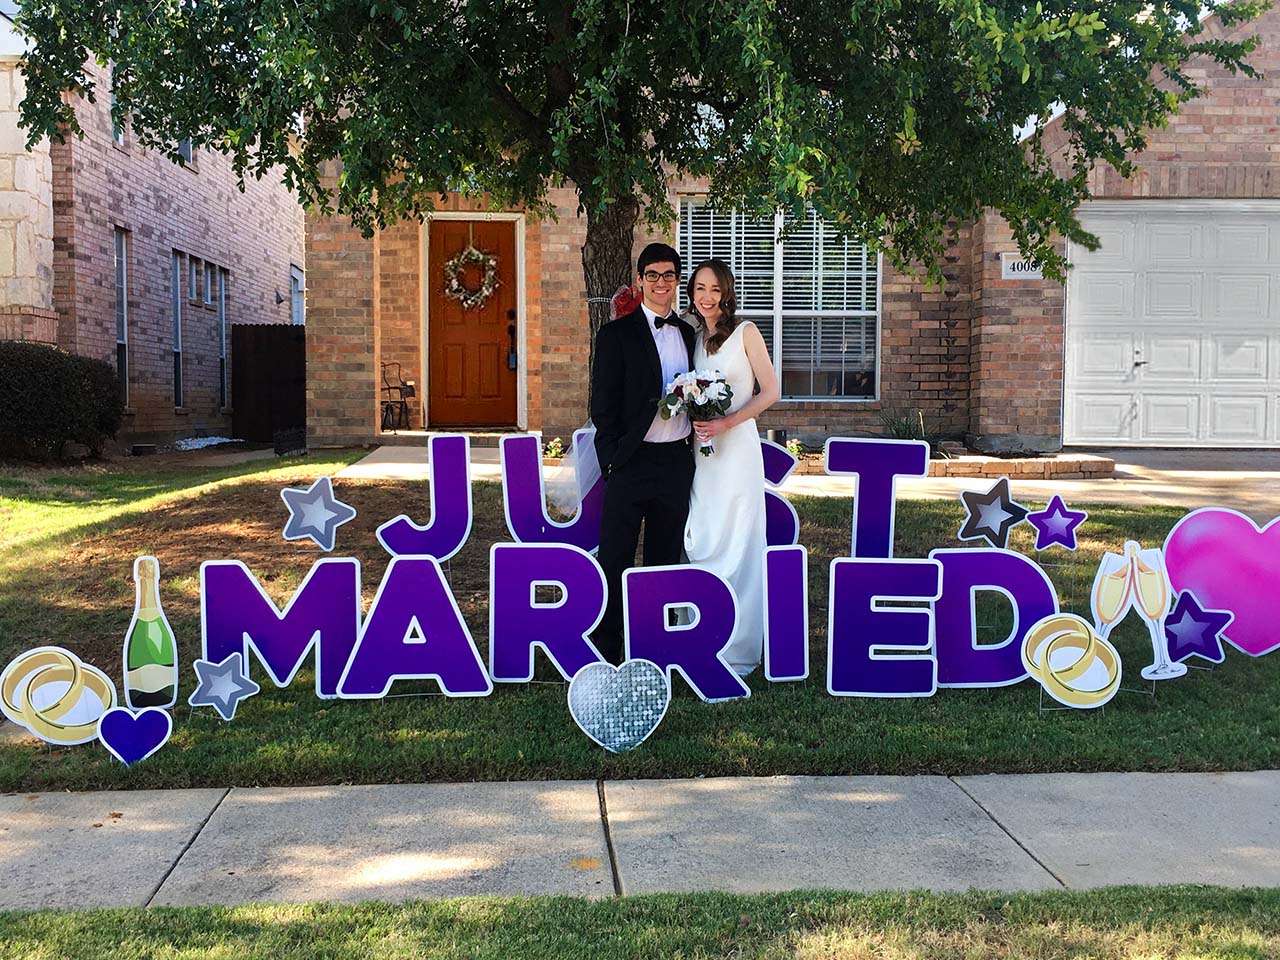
(726, 526)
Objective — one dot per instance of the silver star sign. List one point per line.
(222, 685)
(315, 513)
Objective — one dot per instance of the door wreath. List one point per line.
(471, 298)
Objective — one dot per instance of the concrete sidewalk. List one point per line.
(600, 839)
(1245, 480)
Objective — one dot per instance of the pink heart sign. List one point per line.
(1229, 563)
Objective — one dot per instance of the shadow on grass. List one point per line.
(38, 509)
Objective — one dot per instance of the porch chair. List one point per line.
(395, 398)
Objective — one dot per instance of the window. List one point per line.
(222, 339)
(297, 295)
(117, 126)
(208, 283)
(122, 312)
(193, 278)
(177, 328)
(814, 296)
(186, 153)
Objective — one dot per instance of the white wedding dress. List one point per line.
(725, 530)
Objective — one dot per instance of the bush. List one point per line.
(901, 425)
(49, 398)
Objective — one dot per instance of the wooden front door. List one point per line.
(473, 350)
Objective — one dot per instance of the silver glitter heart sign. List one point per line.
(618, 707)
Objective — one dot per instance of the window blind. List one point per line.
(814, 294)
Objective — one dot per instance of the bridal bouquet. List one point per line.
(701, 395)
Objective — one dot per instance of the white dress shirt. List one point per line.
(675, 361)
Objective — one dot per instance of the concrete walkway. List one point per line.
(1245, 480)
(600, 839)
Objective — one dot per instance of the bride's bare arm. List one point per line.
(762, 370)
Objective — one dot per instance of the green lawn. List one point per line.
(66, 578)
(1127, 923)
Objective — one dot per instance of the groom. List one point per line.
(646, 461)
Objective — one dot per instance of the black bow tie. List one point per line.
(659, 321)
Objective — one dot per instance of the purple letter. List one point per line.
(518, 622)
(525, 497)
(786, 613)
(962, 662)
(877, 465)
(860, 628)
(448, 459)
(237, 616)
(693, 649)
(781, 522)
(414, 631)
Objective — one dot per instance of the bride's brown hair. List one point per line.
(728, 302)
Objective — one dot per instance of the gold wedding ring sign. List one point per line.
(43, 690)
(1075, 666)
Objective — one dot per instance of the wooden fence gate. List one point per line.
(268, 380)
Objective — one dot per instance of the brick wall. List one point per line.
(1225, 144)
(342, 368)
(200, 212)
(1017, 354)
(924, 344)
(399, 306)
(565, 324)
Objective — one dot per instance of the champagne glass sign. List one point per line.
(1152, 590)
(1136, 578)
(1112, 592)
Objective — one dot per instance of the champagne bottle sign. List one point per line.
(150, 652)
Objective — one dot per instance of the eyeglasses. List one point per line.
(653, 276)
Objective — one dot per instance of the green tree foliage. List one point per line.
(890, 117)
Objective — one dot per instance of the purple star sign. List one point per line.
(1055, 524)
(315, 513)
(1191, 630)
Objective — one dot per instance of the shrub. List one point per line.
(49, 398)
(910, 426)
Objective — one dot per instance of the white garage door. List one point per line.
(1173, 326)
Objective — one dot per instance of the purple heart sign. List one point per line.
(132, 737)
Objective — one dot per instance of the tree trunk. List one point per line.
(606, 258)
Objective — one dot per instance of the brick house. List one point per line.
(112, 251)
(1169, 335)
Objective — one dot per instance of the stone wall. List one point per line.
(26, 221)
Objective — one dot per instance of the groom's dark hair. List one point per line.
(658, 253)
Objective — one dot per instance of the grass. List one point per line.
(66, 578)
(1127, 923)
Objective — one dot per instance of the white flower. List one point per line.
(701, 399)
(717, 390)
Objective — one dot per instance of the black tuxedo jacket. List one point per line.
(626, 385)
